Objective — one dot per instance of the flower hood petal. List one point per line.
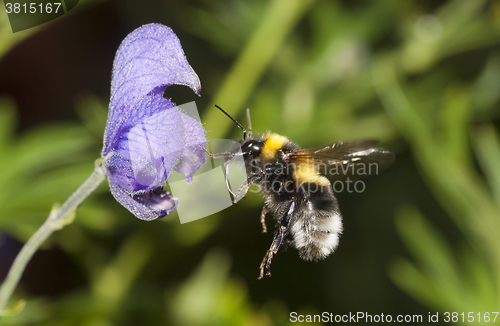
(148, 60)
(148, 149)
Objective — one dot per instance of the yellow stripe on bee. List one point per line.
(307, 173)
(272, 144)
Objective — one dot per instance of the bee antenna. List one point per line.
(236, 122)
(249, 122)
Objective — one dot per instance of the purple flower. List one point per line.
(146, 136)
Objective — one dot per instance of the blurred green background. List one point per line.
(423, 77)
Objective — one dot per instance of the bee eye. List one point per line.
(252, 147)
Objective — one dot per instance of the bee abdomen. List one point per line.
(316, 231)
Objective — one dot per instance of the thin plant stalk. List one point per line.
(58, 218)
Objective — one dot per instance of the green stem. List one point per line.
(58, 218)
(279, 19)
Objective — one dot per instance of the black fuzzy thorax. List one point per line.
(279, 187)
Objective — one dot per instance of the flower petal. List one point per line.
(143, 157)
(148, 60)
(150, 146)
(193, 155)
(145, 205)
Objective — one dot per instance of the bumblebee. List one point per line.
(301, 200)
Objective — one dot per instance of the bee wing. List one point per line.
(355, 155)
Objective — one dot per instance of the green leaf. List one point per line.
(433, 253)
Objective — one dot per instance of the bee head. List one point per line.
(252, 147)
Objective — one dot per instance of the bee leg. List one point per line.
(246, 185)
(226, 165)
(225, 155)
(266, 264)
(268, 258)
(206, 151)
(279, 237)
(265, 210)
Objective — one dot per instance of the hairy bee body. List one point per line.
(301, 200)
(316, 223)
